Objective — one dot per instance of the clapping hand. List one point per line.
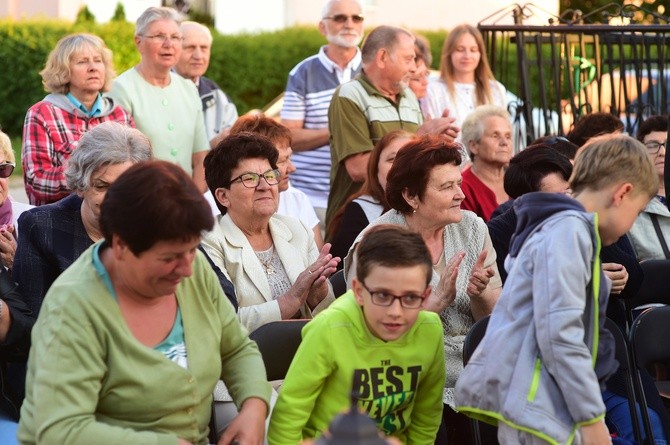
(444, 293)
(327, 265)
(443, 126)
(480, 276)
(310, 286)
(7, 245)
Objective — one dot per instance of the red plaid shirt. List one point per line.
(50, 134)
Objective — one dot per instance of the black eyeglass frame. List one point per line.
(658, 147)
(393, 298)
(342, 18)
(260, 175)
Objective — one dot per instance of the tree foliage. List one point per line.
(119, 13)
(84, 16)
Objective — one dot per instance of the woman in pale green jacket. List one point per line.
(132, 338)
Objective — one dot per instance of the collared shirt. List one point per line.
(343, 74)
(95, 110)
(51, 132)
(310, 86)
(359, 116)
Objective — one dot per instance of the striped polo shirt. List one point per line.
(360, 115)
(310, 86)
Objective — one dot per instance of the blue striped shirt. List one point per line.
(310, 86)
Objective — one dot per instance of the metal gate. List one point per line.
(571, 67)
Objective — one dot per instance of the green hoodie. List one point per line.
(399, 383)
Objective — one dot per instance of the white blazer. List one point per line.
(229, 248)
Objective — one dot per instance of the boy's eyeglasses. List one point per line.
(6, 169)
(654, 147)
(381, 298)
(251, 180)
(342, 18)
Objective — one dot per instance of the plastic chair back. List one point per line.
(278, 342)
(338, 283)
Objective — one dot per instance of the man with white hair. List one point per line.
(310, 86)
(218, 111)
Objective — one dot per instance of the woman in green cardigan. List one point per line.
(132, 338)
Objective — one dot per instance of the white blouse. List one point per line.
(462, 103)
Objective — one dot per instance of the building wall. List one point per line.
(19, 9)
(234, 16)
(67, 9)
(255, 15)
(103, 10)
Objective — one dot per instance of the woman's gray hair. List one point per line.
(109, 143)
(473, 126)
(153, 14)
(56, 72)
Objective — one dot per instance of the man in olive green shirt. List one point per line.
(376, 102)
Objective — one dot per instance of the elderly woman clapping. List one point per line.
(135, 334)
(423, 189)
(272, 259)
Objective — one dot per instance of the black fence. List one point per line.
(571, 67)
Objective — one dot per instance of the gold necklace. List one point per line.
(266, 264)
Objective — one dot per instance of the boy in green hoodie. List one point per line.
(376, 341)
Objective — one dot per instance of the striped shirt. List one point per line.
(359, 117)
(310, 86)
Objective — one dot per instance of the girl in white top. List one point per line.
(466, 80)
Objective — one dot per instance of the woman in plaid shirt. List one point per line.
(77, 72)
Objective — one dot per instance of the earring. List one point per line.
(414, 211)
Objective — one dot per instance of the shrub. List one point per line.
(251, 68)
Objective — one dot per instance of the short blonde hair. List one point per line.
(56, 72)
(6, 147)
(613, 159)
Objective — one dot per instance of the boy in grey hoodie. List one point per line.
(538, 372)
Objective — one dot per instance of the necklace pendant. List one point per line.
(269, 270)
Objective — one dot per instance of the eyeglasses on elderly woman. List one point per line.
(251, 180)
(175, 39)
(653, 147)
(6, 169)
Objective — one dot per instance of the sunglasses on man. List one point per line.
(342, 18)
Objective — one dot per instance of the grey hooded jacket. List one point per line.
(545, 354)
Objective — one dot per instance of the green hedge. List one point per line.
(251, 68)
(24, 50)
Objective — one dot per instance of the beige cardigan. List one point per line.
(229, 248)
